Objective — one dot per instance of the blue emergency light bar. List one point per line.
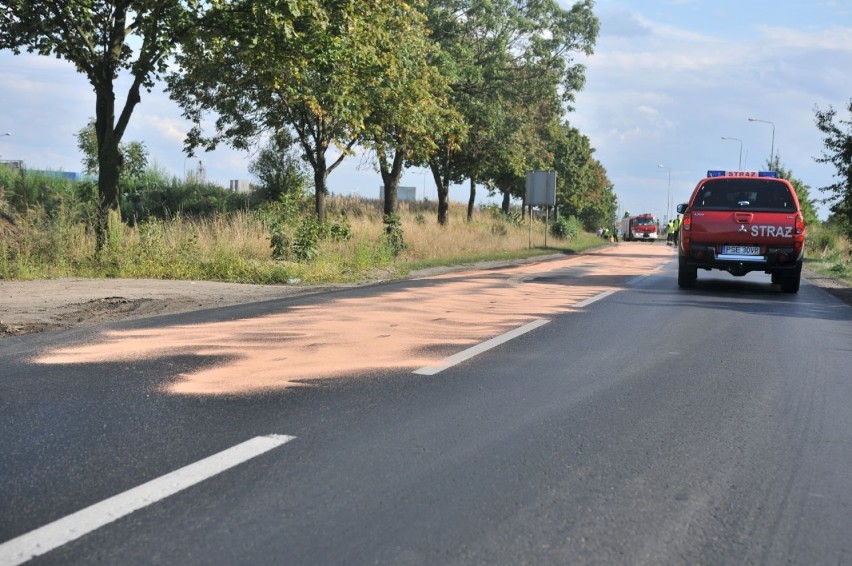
(720, 173)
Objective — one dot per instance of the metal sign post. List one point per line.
(541, 191)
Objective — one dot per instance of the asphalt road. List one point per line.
(652, 426)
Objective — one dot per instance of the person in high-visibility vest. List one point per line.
(670, 232)
(676, 230)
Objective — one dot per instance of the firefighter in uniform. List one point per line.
(676, 230)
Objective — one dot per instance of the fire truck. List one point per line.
(639, 227)
(742, 221)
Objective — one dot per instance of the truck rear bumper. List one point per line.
(777, 259)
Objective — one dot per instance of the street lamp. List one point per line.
(740, 166)
(668, 193)
(423, 173)
(772, 147)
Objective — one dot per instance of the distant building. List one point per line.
(71, 175)
(18, 165)
(408, 194)
(14, 164)
(240, 185)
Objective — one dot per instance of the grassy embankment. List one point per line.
(237, 246)
(829, 253)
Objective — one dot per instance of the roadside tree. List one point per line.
(583, 189)
(279, 169)
(838, 152)
(316, 78)
(105, 38)
(492, 53)
(803, 191)
(409, 107)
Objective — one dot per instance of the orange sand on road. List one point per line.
(393, 329)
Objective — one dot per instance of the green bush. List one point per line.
(514, 216)
(499, 229)
(155, 195)
(25, 190)
(821, 240)
(393, 234)
(296, 237)
(565, 228)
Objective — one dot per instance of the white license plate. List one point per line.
(741, 250)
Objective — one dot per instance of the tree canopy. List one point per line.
(317, 79)
(501, 56)
(838, 152)
(582, 186)
(279, 169)
(803, 191)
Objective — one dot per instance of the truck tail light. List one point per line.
(685, 234)
(799, 229)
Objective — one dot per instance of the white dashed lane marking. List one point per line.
(456, 359)
(62, 531)
(480, 348)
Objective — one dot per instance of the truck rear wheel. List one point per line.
(686, 275)
(790, 284)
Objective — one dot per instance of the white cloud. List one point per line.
(169, 128)
(831, 39)
(669, 94)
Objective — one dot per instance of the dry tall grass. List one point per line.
(237, 247)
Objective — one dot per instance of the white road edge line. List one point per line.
(62, 531)
(479, 348)
(594, 299)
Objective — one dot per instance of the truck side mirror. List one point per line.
(681, 208)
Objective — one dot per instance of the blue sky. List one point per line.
(668, 80)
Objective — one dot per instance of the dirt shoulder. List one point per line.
(37, 306)
(831, 284)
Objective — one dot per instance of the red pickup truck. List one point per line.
(742, 221)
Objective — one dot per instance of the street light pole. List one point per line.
(668, 193)
(740, 166)
(772, 147)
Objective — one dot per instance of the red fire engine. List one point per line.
(639, 227)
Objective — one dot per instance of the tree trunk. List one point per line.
(507, 200)
(320, 188)
(109, 163)
(442, 184)
(391, 175)
(471, 200)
